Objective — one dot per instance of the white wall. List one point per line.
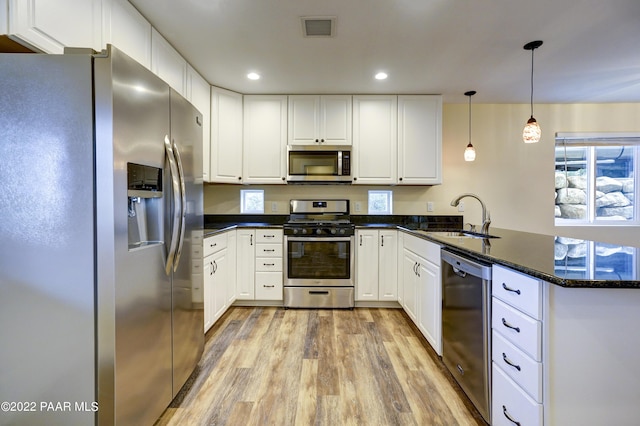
(514, 179)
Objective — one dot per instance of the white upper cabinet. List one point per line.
(50, 26)
(375, 139)
(419, 139)
(226, 136)
(316, 119)
(167, 63)
(265, 139)
(124, 27)
(199, 94)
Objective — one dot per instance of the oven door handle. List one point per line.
(325, 239)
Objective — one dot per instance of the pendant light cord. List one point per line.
(469, 118)
(532, 81)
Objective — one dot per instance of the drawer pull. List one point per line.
(318, 292)
(517, 291)
(268, 286)
(508, 416)
(269, 250)
(506, 324)
(268, 264)
(213, 245)
(269, 236)
(508, 361)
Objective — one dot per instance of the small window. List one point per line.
(380, 202)
(252, 201)
(596, 179)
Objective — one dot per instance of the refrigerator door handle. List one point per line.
(177, 209)
(183, 205)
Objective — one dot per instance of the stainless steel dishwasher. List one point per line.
(466, 326)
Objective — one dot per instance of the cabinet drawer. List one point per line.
(520, 329)
(266, 264)
(215, 244)
(526, 372)
(510, 404)
(269, 236)
(519, 290)
(269, 250)
(268, 285)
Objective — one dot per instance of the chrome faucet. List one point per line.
(486, 217)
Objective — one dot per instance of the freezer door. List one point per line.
(132, 117)
(188, 308)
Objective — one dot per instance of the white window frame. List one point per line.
(614, 139)
(389, 196)
(243, 201)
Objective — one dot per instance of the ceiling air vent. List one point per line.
(319, 26)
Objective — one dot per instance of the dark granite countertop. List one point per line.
(563, 261)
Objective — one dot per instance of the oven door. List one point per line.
(319, 262)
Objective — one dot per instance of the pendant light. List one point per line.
(470, 152)
(531, 132)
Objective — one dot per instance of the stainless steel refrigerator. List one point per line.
(101, 318)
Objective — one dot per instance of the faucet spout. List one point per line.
(486, 217)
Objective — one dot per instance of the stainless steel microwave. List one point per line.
(319, 164)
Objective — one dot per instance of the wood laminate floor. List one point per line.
(270, 366)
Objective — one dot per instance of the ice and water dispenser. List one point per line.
(144, 191)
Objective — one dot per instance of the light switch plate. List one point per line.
(461, 206)
(274, 206)
(358, 206)
(429, 206)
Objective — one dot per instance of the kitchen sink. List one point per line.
(461, 234)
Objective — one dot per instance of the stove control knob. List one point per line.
(304, 231)
(342, 231)
(318, 231)
(333, 231)
(295, 231)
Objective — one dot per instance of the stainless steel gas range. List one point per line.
(319, 255)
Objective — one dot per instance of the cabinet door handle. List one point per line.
(418, 269)
(317, 141)
(360, 240)
(506, 324)
(268, 286)
(212, 271)
(382, 240)
(508, 416)
(215, 267)
(516, 291)
(321, 140)
(509, 362)
(251, 239)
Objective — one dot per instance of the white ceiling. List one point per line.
(591, 50)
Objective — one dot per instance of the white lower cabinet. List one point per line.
(218, 276)
(268, 264)
(246, 258)
(259, 267)
(517, 367)
(376, 265)
(420, 277)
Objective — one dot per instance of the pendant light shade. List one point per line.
(470, 151)
(531, 132)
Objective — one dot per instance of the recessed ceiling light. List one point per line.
(253, 76)
(381, 76)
